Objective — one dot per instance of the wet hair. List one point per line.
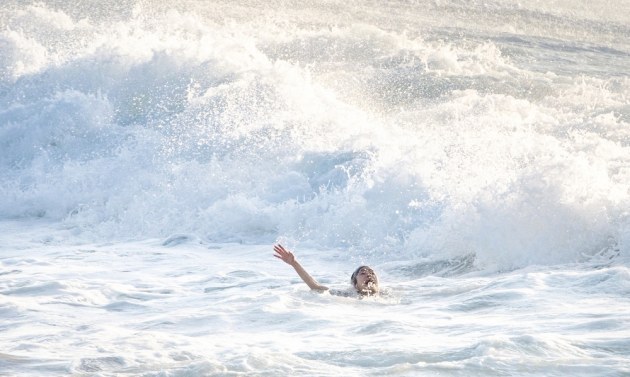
(353, 278)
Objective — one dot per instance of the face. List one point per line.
(366, 281)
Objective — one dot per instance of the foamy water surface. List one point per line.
(476, 154)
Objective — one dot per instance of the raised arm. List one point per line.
(288, 257)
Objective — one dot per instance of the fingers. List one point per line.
(281, 251)
(283, 254)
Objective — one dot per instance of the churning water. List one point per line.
(475, 153)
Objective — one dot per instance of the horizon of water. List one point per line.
(449, 144)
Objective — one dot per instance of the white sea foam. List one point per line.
(478, 154)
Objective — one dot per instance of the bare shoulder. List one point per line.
(343, 292)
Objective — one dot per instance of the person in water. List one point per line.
(363, 279)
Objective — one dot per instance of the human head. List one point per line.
(364, 280)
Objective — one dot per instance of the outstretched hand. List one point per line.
(285, 255)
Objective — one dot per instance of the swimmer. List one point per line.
(363, 279)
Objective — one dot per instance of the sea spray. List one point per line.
(342, 135)
(475, 154)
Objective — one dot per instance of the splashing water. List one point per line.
(434, 139)
(373, 132)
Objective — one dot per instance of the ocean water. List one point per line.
(476, 154)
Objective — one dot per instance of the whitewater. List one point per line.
(475, 154)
